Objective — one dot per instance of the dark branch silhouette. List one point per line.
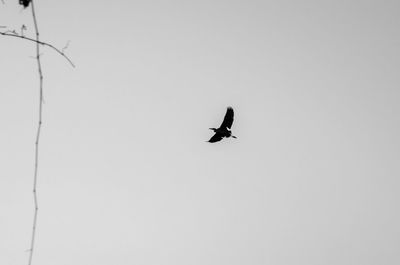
(37, 41)
(37, 135)
(16, 35)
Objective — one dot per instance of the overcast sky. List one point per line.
(126, 175)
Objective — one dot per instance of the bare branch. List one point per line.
(15, 34)
(36, 207)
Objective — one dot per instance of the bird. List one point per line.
(225, 129)
(24, 3)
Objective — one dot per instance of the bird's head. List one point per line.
(213, 129)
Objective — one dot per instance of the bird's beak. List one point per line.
(233, 136)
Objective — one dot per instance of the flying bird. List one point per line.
(225, 129)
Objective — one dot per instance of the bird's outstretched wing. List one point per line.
(228, 120)
(217, 137)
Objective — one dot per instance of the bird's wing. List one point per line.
(217, 137)
(228, 120)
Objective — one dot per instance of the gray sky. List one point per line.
(126, 176)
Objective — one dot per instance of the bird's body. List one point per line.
(24, 3)
(224, 131)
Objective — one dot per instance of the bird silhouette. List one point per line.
(225, 129)
(24, 3)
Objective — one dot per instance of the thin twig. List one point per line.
(65, 47)
(14, 34)
(37, 134)
(23, 27)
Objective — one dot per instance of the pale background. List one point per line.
(126, 176)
